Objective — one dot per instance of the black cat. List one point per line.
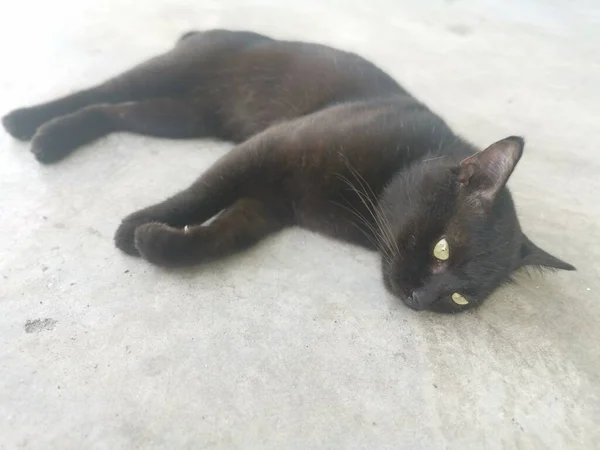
(327, 141)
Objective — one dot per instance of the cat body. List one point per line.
(326, 141)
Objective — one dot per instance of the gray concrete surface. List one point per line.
(296, 344)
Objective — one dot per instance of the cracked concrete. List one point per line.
(296, 344)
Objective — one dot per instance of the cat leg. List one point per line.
(166, 75)
(158, 117)
(23, 123)
(193, 205)
(236, 175)
(239, 227)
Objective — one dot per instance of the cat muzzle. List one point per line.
(419, 300)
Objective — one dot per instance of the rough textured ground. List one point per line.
(296, 344)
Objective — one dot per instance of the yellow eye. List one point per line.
(441, 250)
(459, 299)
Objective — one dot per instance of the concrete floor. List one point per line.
(296, 344)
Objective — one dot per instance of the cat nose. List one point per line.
(414, 301)
(420, 299)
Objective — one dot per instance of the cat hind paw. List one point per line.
(21, 123)
(53, 141)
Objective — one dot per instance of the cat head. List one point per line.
(451, 230)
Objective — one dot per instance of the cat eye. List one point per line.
(459, 299)
(441, 251)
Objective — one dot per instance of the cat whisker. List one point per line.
(384, 255)
(374, 237)
(383, 237)
(382, 222)
(383, 232)
(370, 207)
(380, 219)
(387, 225)
(435, 158)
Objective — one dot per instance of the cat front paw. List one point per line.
(21, 123)
(161, 244)
(125, 235)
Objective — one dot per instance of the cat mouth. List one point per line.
(417, 299)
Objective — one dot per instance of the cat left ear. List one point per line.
(532, 255)
(488, 171)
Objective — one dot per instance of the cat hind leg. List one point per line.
(166, 75)
(167, 117)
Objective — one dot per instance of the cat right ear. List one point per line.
(532, 255)
(486, 172)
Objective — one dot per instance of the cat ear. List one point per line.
(532, 255)
(488, 171)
